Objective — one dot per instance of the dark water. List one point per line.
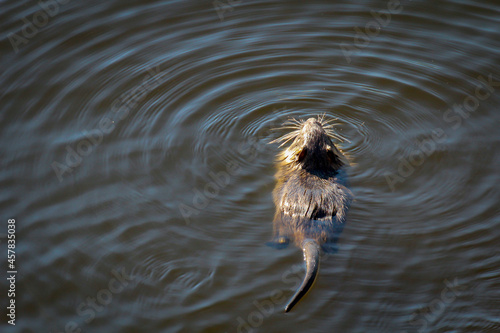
(135, 161)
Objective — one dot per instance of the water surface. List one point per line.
(135, 160)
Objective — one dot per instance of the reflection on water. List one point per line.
(136, 162)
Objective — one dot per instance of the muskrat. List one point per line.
(311, 194)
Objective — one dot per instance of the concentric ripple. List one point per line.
(136, 140)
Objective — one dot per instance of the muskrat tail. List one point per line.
(311, 257)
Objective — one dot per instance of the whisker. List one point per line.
(286, 127)
(287, 136)
(331, 131)
(285, 139)
(331, 125)
(326, 122)
(296, 126)
(293, 126)
(293, 121)
(282, 138)
(284, 143)
(338, 137)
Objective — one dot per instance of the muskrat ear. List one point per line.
(302, 155)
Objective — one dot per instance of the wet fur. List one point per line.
(311, 194)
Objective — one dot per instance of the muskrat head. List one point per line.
(312, 148)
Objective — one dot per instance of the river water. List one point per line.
(135, 160)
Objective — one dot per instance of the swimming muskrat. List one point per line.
(311, 194)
